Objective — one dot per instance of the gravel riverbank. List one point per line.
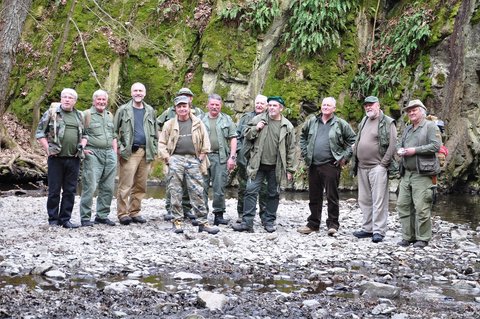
(147, 271)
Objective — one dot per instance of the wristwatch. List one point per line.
(233, 157)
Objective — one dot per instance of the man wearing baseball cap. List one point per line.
(372, 157)
(418, 168)
(184, 145)
(168, 114)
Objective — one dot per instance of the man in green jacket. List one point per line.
(136, 133)
(60, 132)
(272, 159)
(326, 144)
(100, 163)
(222, 133)
(419, 168)
(243, 155)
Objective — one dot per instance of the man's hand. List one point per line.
(231, 164)
(289, 176)
(261, 125)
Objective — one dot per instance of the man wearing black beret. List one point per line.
(272, 159)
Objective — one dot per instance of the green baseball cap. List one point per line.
(370, 99)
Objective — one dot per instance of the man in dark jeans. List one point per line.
(326, 143)
(61, 134)
(272, 159)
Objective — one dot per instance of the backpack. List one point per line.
(443, 152)
(87, 117)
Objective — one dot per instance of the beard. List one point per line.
(371, 115)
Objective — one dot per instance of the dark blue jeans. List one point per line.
(62, 180)
(265, 172)
(323, 177)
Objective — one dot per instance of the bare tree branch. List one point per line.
(86, 55)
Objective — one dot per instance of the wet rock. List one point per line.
(55, 274)
(310, 303)
(383, 309)
(212, 301)
(186, 276)
(378, 290)
(459, 234)
(119, 314)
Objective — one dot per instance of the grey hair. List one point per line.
(424, 112)
(98, 93)
(70, 92)
(261, 98)
(215, 96)
(331, 99)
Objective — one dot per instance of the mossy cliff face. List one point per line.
(170, 44)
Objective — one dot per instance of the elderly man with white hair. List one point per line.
(100, 164)
(61, 134)
(243, 153)
(418, 168)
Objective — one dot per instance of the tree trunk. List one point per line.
(12, 17)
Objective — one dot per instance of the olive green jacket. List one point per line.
(226, 130)
(286, 147)
(124, 129)
(341, 138)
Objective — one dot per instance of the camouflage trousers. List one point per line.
(186, 168)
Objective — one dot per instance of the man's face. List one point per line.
(68, 101)
(100, 103)
(214, 107)
(414, 114)
(372, 109)
(260, 106)
(138, 92)
(274, 109)
(328, 107)
(182, 110)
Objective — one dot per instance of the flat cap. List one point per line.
(181, 99)
(276, 98)
(370, 99)
(185, 91)
(414, 103)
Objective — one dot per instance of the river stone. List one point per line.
(55, 274)
(378, 290)
(310, 303)
(186, 276)
(459, 234)
(383, 309)
(211, 300)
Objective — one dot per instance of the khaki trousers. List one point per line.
(414, 206)
(373, 198)
(132, 184)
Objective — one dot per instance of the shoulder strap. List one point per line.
(87, 117)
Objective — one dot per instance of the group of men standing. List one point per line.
(327, 143)
(200, 149)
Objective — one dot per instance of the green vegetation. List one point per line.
(316, 25)
(253, 15)
(382, 68)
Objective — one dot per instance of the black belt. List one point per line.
(135, 147)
